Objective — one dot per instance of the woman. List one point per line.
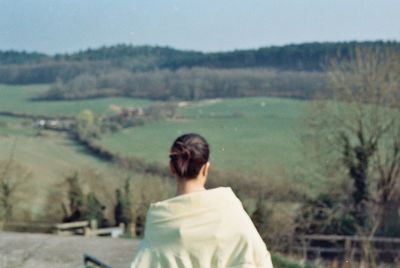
(199, 228)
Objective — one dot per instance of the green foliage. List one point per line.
(83, 198)
(94, 210)
(26, 68)
(75, 199)
(21, 57)
(356, 159)
(326, 214)
(12, 177)
(122, 211)
(131, 57)
(87, 125)
(75, 194)
(260, 215)
(358, 135)
(281, 262)
(190, 84)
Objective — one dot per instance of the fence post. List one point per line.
(304, 248)
(86, 231)
(347, 250)
(290, 245)
(132, 229)
(93, 224)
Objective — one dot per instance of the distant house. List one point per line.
(132, 111)
(56, 124)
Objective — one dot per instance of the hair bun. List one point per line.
(188, 154)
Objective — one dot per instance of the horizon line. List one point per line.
(194, 50)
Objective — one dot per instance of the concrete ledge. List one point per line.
(26, 250)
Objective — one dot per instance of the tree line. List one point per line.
(189, 84)
(26, 68)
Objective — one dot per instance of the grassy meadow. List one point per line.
(254, 136)
(18, 99)
(49, 156)
(50, 161)
(251, 135)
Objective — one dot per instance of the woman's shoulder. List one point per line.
(214, 193)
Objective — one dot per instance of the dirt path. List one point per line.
(24, 250)
(199, 103)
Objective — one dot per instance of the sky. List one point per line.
(58, 26)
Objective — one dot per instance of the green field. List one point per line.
(246, 134)
(49, 156)
(250, 135)
(254, 136)
(11, 126)
(50, 159)
(18, 99)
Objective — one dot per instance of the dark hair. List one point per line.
(189, 153)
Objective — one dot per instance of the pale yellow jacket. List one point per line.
(201, 230)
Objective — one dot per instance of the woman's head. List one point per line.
(189, 153)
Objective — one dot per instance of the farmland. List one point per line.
(246, 134)
(256, 136)
(18, 99)
(49, 156)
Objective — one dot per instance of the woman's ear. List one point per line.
(205, 169)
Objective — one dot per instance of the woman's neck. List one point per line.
(188, 186)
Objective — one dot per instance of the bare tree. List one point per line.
(357, 128)
(12, 176)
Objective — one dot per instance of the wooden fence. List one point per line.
(346, 247)
(88, 228)
(69, 228)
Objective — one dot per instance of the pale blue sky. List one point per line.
(208, 25)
